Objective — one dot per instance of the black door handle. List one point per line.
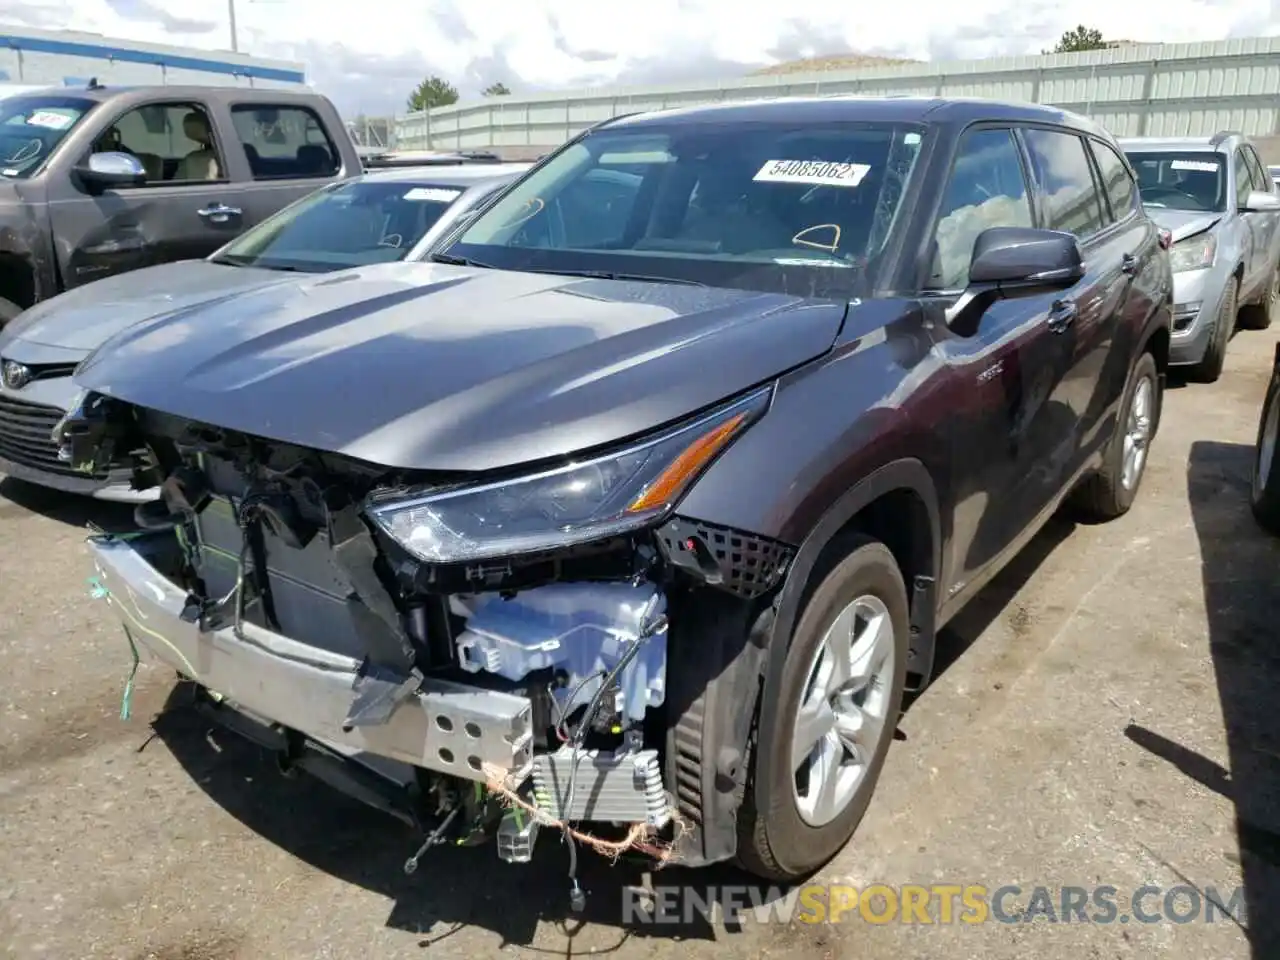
(1061, 315)
(1129, 263)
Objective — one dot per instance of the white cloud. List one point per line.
(367, 56)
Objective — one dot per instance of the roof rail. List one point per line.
(1221, 135)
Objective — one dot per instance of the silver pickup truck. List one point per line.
(98, 180)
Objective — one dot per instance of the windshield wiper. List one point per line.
(459, 261)
(614, 275)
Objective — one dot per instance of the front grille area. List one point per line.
(26, 438)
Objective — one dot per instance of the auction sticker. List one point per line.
(50, 119)
(813, 173)
(1206, 166)
(437, 194)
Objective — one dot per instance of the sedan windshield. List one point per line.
(350, 224)
(1195, 182)
(31, 127)
(778, 207)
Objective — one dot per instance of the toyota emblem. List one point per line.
(15, 375)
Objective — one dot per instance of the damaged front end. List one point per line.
(548, 648)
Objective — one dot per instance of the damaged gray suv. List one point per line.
(639, 508)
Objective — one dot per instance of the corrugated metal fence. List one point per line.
(1134, 90)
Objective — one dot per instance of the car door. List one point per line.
(1012, 418)
(1120, 252)
(289, 153)
(1263, 183)
(1256, 226)
(174, 215)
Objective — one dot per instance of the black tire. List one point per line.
(1264, 496)
(1258, 316)
(1105, 496)
(1209, 369)
(8, 310)
(774, 842)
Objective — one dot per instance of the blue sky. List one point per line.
(369, 63)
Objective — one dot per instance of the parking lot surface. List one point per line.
(1104, 717)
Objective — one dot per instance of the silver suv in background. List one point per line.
(1223, 210)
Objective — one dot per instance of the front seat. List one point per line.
(201, 163)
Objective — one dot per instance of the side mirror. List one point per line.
(1016, 262)
(1259, 202)
(112, 169)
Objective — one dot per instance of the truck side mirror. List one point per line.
(112, 169)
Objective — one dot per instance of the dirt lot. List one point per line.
(1103, 717)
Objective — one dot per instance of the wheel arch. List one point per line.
(17, 279)
(876, 506)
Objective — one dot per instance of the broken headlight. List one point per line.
(588, 500)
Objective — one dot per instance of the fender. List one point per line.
(909, 474)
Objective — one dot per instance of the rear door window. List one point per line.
(1073, 202)
(1116, 181)
(284, 142)
(1257, 173)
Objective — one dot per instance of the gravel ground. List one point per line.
(1101, 718)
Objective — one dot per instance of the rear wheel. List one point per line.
(1264, 497)
(1209, 369)
(1110, 492)
(838, 707)
(1258, 316)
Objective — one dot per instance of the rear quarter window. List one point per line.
(284, 142)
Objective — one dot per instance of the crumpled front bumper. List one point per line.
(449, 727)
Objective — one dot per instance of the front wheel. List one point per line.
(838, 708)
(1264, 495)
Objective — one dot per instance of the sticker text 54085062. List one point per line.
(813, 173)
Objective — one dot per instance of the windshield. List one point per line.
(1195, 182)
(778, 207)
(32, 126)
(350, 224)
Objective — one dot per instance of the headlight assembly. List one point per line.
(1194, 253)
(611, 494)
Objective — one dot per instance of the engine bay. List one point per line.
(271, 544)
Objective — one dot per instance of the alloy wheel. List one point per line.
(843, 709)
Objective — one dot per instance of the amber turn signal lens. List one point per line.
(694, 457)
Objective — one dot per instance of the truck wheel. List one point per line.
(1264, 495)
(1258, 316)
(838, 708)
(1109, 493)
(1209, 369)
(8, 310)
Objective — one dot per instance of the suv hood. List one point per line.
(83, 317)
(1183, 223)
(433, 367)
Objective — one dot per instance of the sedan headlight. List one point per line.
(1194, 253)
(588, 500)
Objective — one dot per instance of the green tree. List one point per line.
(432, 92)
(498, 89)
(1081, 38)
